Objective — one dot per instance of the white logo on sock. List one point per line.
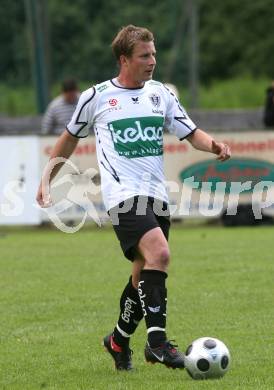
(128, 309)
(154, 309)
(142, 296)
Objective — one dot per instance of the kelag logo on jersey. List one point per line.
(138, 137)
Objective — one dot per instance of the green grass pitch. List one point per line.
(59, 296)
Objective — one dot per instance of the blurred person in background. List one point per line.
(269, 106)
(60, 109)
(128, 114)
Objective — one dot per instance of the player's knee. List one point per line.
(164, 256)
(159, 259)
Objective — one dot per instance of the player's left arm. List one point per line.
(202, 141)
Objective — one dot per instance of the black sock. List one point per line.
(130, 315)
(153, 296)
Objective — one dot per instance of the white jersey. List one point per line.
(128, 124)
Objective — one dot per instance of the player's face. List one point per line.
(141, 64)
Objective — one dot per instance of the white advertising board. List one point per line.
(20, 174)
(247, 178)
(198, 185)
(219, 184)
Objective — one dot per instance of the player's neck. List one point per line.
(128, 82)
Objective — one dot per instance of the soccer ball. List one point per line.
(206, 358)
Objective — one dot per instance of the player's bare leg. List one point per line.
(137, 266)
(154, 249)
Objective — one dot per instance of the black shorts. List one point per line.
(141, 215)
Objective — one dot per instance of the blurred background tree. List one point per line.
(235, 40)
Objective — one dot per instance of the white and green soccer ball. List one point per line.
(207, 358)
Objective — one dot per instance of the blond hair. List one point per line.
(127, 37)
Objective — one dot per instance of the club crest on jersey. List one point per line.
(155, 99)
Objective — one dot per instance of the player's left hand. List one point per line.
(222, 150)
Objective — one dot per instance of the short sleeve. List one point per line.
(83, 115)
(177, 121)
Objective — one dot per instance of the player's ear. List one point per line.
(123, 60)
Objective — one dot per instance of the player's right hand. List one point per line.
(222, 150)
(43, 196)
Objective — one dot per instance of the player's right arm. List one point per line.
(77, 128)
(64, 148)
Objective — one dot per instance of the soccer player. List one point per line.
(128, 115)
